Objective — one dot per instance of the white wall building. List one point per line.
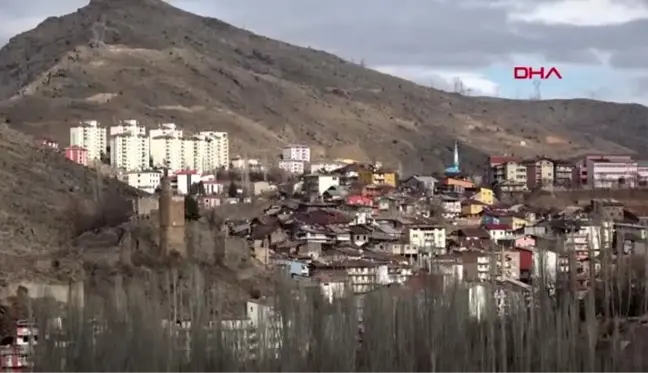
(293, 167)
(296, 153)
(147, 181)
(128, 126)
(427, 236)
(91, 136)
(184, 180)
(129, 152)
(318, 184)
(206, 151)
(167, 151)
(611, 173)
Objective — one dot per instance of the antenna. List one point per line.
(459, 86)
(264, 168)
(536, 90)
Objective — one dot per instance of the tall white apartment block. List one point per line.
(206, 151)
(129, 151)
(167, 147)
(128, 126)
(217, 149)
(91, 136)
(296, 153)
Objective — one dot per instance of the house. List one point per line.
(48, 143)
(455, 184)
(471, 207)
(424, 184)
(317, 184)
(499, 231)
(378, 176)
(451, 207)
(485, 196)
(478, 265)
(427, 236)
(261, 187)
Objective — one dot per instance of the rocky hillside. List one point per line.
(39, 190)
(116, 59)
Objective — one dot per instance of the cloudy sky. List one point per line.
(595, 44)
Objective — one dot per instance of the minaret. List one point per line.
(455, 161)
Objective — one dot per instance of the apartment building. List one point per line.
(128, 126)
(147, 181)
(539, 172)
(293, 167)
(167, 149)
(91, 136)
(564, 174)
(296, 152)
(611, 172)
(129, 151)
(77, 154)
(206, 151)
(510, 171)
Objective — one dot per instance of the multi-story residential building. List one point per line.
(378, 176)
(167, 151)
(427, 236)
(182, 181)
(563, 174)
(91, 136)
(166, 129)
(491, 167)
(319, 183)
(539, 172)
(296, 152)
(293, 167)
(77, 154)
(642, 173)
(582, 178)
(128, 126)
(129, 151)
(206, 151)
(611, 172)
(510, 171)
(147, 181)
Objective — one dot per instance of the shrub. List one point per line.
(110, 211)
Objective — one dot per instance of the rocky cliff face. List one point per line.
(116, 59)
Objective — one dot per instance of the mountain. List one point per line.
(145, 59)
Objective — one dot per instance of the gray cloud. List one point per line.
(433, 33)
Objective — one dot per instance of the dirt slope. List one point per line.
(37, 188)
(115, 59)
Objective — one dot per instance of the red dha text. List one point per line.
(530, 73)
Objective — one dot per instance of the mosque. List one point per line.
(454, 170)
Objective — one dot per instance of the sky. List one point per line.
(596, 45)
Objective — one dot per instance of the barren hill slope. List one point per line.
(117, 59)
(38, 188)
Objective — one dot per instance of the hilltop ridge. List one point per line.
(114, 59)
